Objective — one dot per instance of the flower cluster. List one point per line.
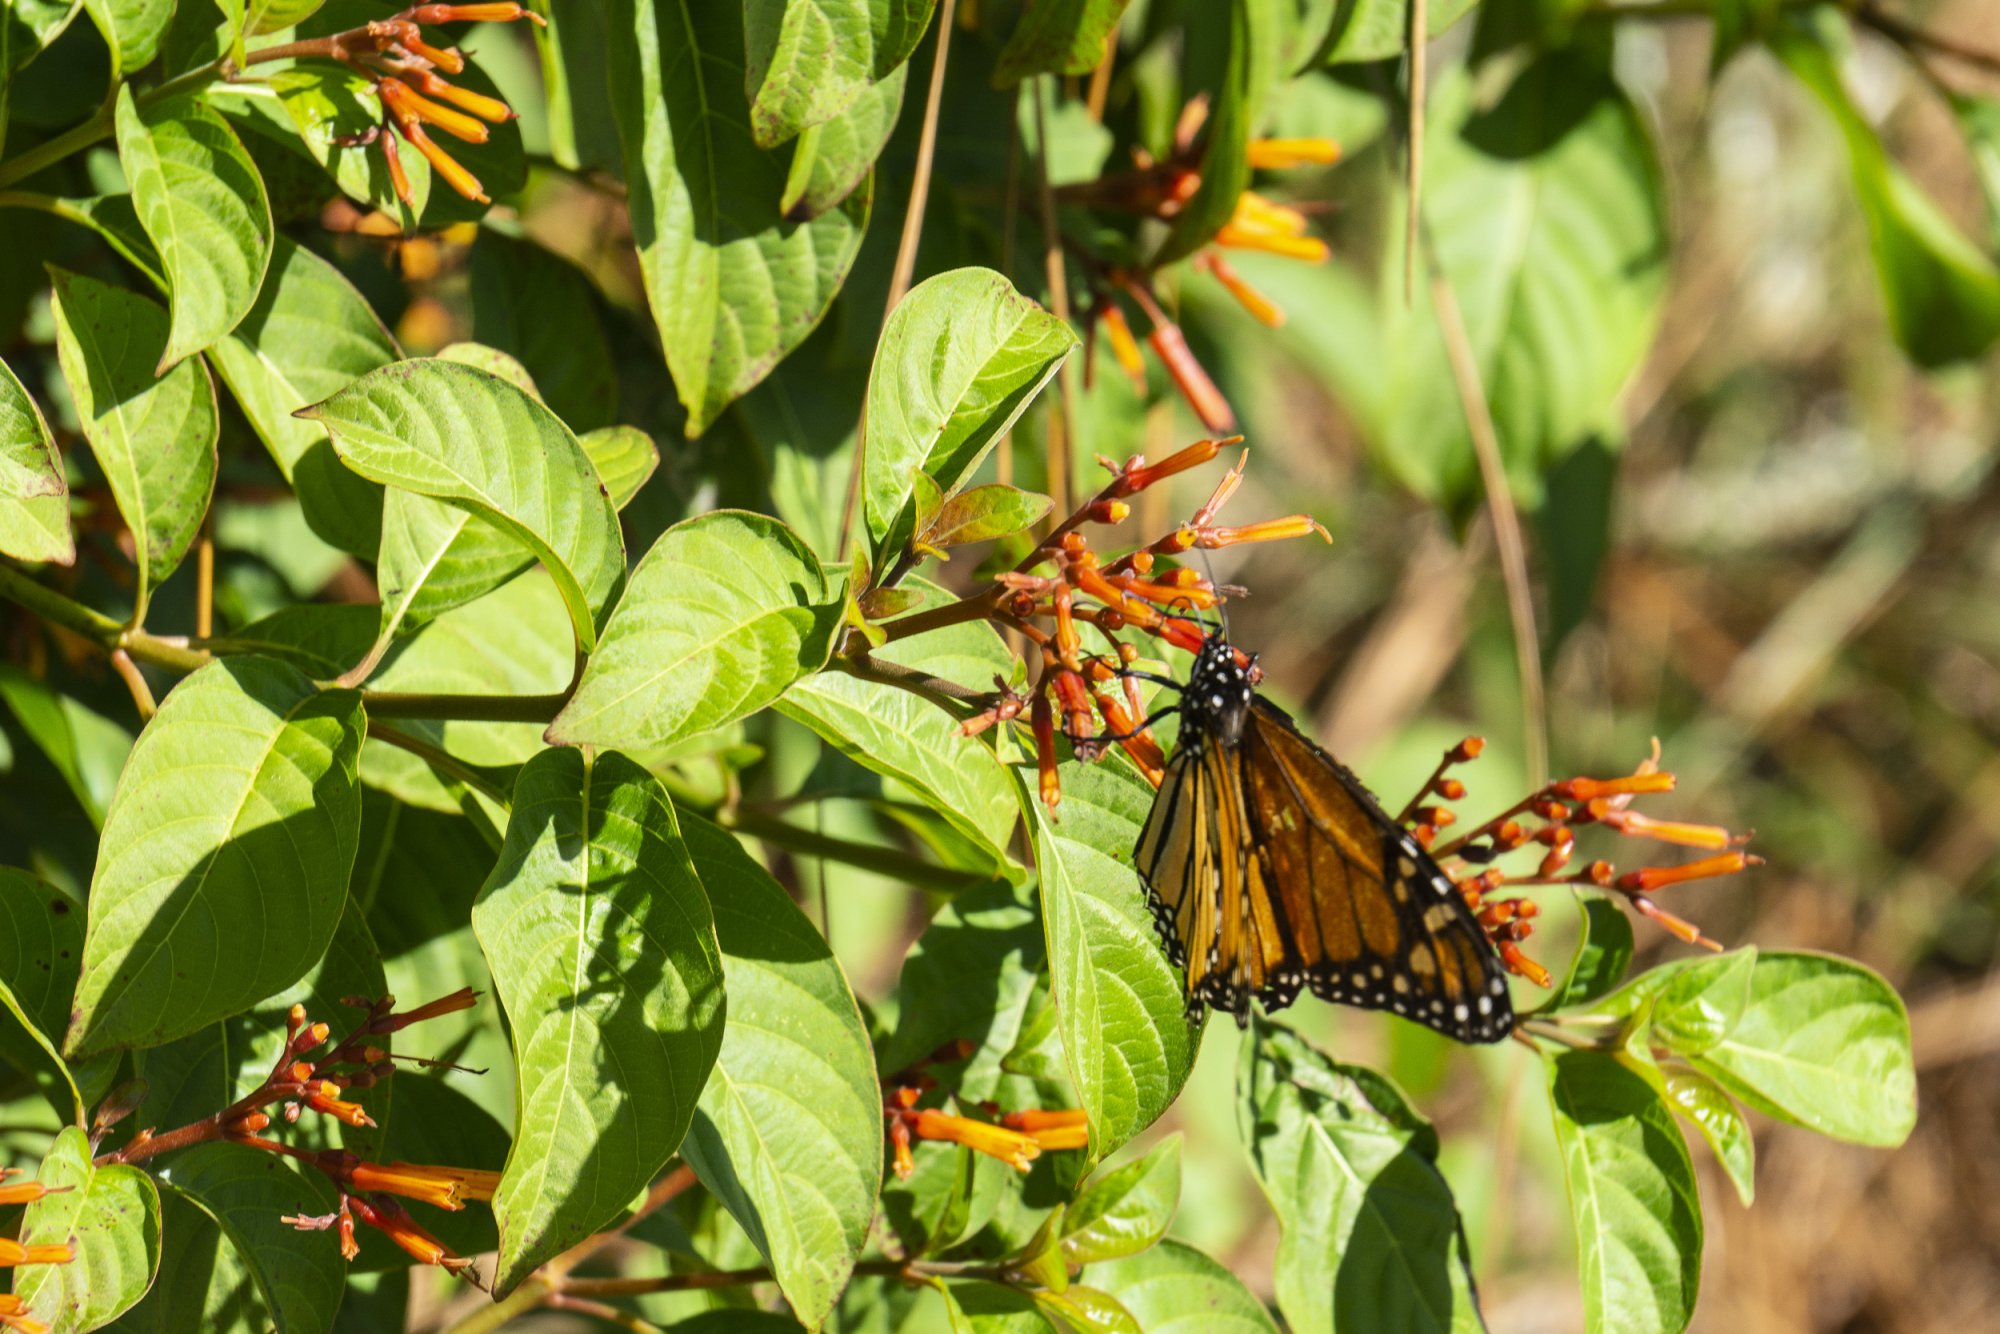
(1135, 591)
(1161, 189)
(405, 70)
(1548, 819)
(1016, 1139)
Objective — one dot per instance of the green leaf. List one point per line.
(893, 732)
(1058, 37)
(1087, 1311)
(1603, 953)
(1369, 1235)
(802, 422)
(40, 952)
(806, 61)
(624, 457)
(1248, 68)
(1339, 32)
(154, 438)
(1942, 294)
(833, 158)
(210, 895)
(788, 1133)
(1125, 1032)
(34, 495)
(733, 286)
(959, 361)
(1707, 1107)
(298, 1275)
(603, 951)
(1703, 1002)
(202, 1287)
(1547, 212)
(332, 107)
(309, 335)
(980, 514)
(971, 975)
(132, 29)
(111, 1216)
(30, 26)
(270, 16)
(977, 1306)
(1631, 1197)
(85, 747)
(1175, 1289)
(541, 309)
(1824, 1044)
(1125, 1211)
(725, 612)
(451, 433)
(202, 203)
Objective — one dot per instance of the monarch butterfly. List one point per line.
(1269, 867)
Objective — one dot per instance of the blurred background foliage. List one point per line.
(1779, 554)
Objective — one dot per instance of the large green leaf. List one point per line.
(1548, 218)
(1175, 1289)
(309, 335)
(455, 434)
(971, 975)
(1058, 37)
(1941, 292)
(1824, 1043)
(896, 733)
(111, 1216)
(788, 1134)
(540, 308)
(1125, 1031)
(203, 1286)
(211, 894)
(154, 438)
(725, 612)
(732, 285)
(960, 359)
(202, 203)
(1631, 1196)
(132, 29)
(299, 1276)
(1369, 1234)
(1248, 67)
(34, 495)
(41, 946)
(806, 61)
(603, 950)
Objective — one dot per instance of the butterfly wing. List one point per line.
(1368, 917)
(1176, 861)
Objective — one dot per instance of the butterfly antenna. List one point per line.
(1221, 604)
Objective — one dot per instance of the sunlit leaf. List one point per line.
(111, 1216)
(1175, 1289)
(809, 60)
(34, 496)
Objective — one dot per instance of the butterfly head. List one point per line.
(1216, 699)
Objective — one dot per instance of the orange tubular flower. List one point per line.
(1262, 307)
(1267, 530)
(1277, 154)
(14, 1316)
(1124, 347)
(1066, 1128)
(1258, 224)
(27, 1192)
(444, 1187)
(462, 999)
(14, 1253)
(1169, 344)
(480, 105)
(1657, 877)
(394, 1221)
(443, 163)
(323, 1097)
(1012, 1147)
(477, 13)
(405, 103)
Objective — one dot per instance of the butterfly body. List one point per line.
(1271, 868)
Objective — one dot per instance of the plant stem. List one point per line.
(975, 608)
(947, 695)
(868, 856)
(99, 126)
(443, 761)
(464, 708)
(156, 650)
(1062, 432)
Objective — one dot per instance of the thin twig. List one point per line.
(1100, 78)
(1062, 424)
(442, 761)
(128, 671)
(204, 579)
(465, 708)
(1507, 536)
(920, 181)
(1914, 39)
(867, 856)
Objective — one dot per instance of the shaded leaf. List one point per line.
(970, 976)
(1603, 952)
(1369, 1235)
(732, 286)
(980, 514)
(154, 438)
(299, 1276)
(602, 948)
(131, 28)
(209, 896)
(833, 158)
(540, 308)
(1248, 67)
(41, 949)
(1058, 37)
(807, 61)
(788, 1134)
(85, 747)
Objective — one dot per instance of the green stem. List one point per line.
(56, 609)
(947, 695)
(99, 126)
(975, 608)
(868, 856)
(441, 760)
(464, 708)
